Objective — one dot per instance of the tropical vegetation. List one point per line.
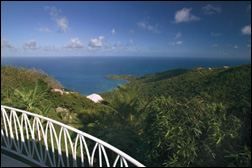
(183, 117)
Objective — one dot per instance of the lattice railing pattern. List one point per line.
(47, 142)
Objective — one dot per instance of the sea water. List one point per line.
(87, 74)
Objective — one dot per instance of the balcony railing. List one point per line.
(47, 142)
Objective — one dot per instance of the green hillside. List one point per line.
(197, 117)
(223, 84)
(30, 89)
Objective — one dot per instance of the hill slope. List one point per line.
(196, 117)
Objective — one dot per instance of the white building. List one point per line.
(95, 98)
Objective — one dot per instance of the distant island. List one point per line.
(128, 78)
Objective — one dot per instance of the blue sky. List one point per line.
(97, 28)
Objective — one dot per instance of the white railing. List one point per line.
(47, 142)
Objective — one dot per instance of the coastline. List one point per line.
(87, 75)
(125, 77)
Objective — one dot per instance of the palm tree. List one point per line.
(28, 99)
(126, 104)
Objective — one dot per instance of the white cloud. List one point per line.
(109, 47)
(92, 48)
(75, 43)
(236, 46)
(176, 43)
(5, 44)
(184, 15)
(129, 43)
(178, 35)
(113, 31)
(118, 44)
(51, 48)
(210, 9)
(215, 45)
(144, 25)
(54, 12)
(179, 42)
(246, 30)
(215, 34)
(61, 21)
(30, 45)
(96, 42)
(45, 29)
(62, 24)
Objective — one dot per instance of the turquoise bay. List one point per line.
(87, 74)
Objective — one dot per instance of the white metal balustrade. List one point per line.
(23, 133)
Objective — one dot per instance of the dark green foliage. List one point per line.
(15, 76)
(181, 133)
(197, 117)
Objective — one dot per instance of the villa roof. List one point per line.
(95, 98)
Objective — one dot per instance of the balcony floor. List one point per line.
(7, 161)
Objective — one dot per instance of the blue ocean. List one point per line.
(87, 74)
